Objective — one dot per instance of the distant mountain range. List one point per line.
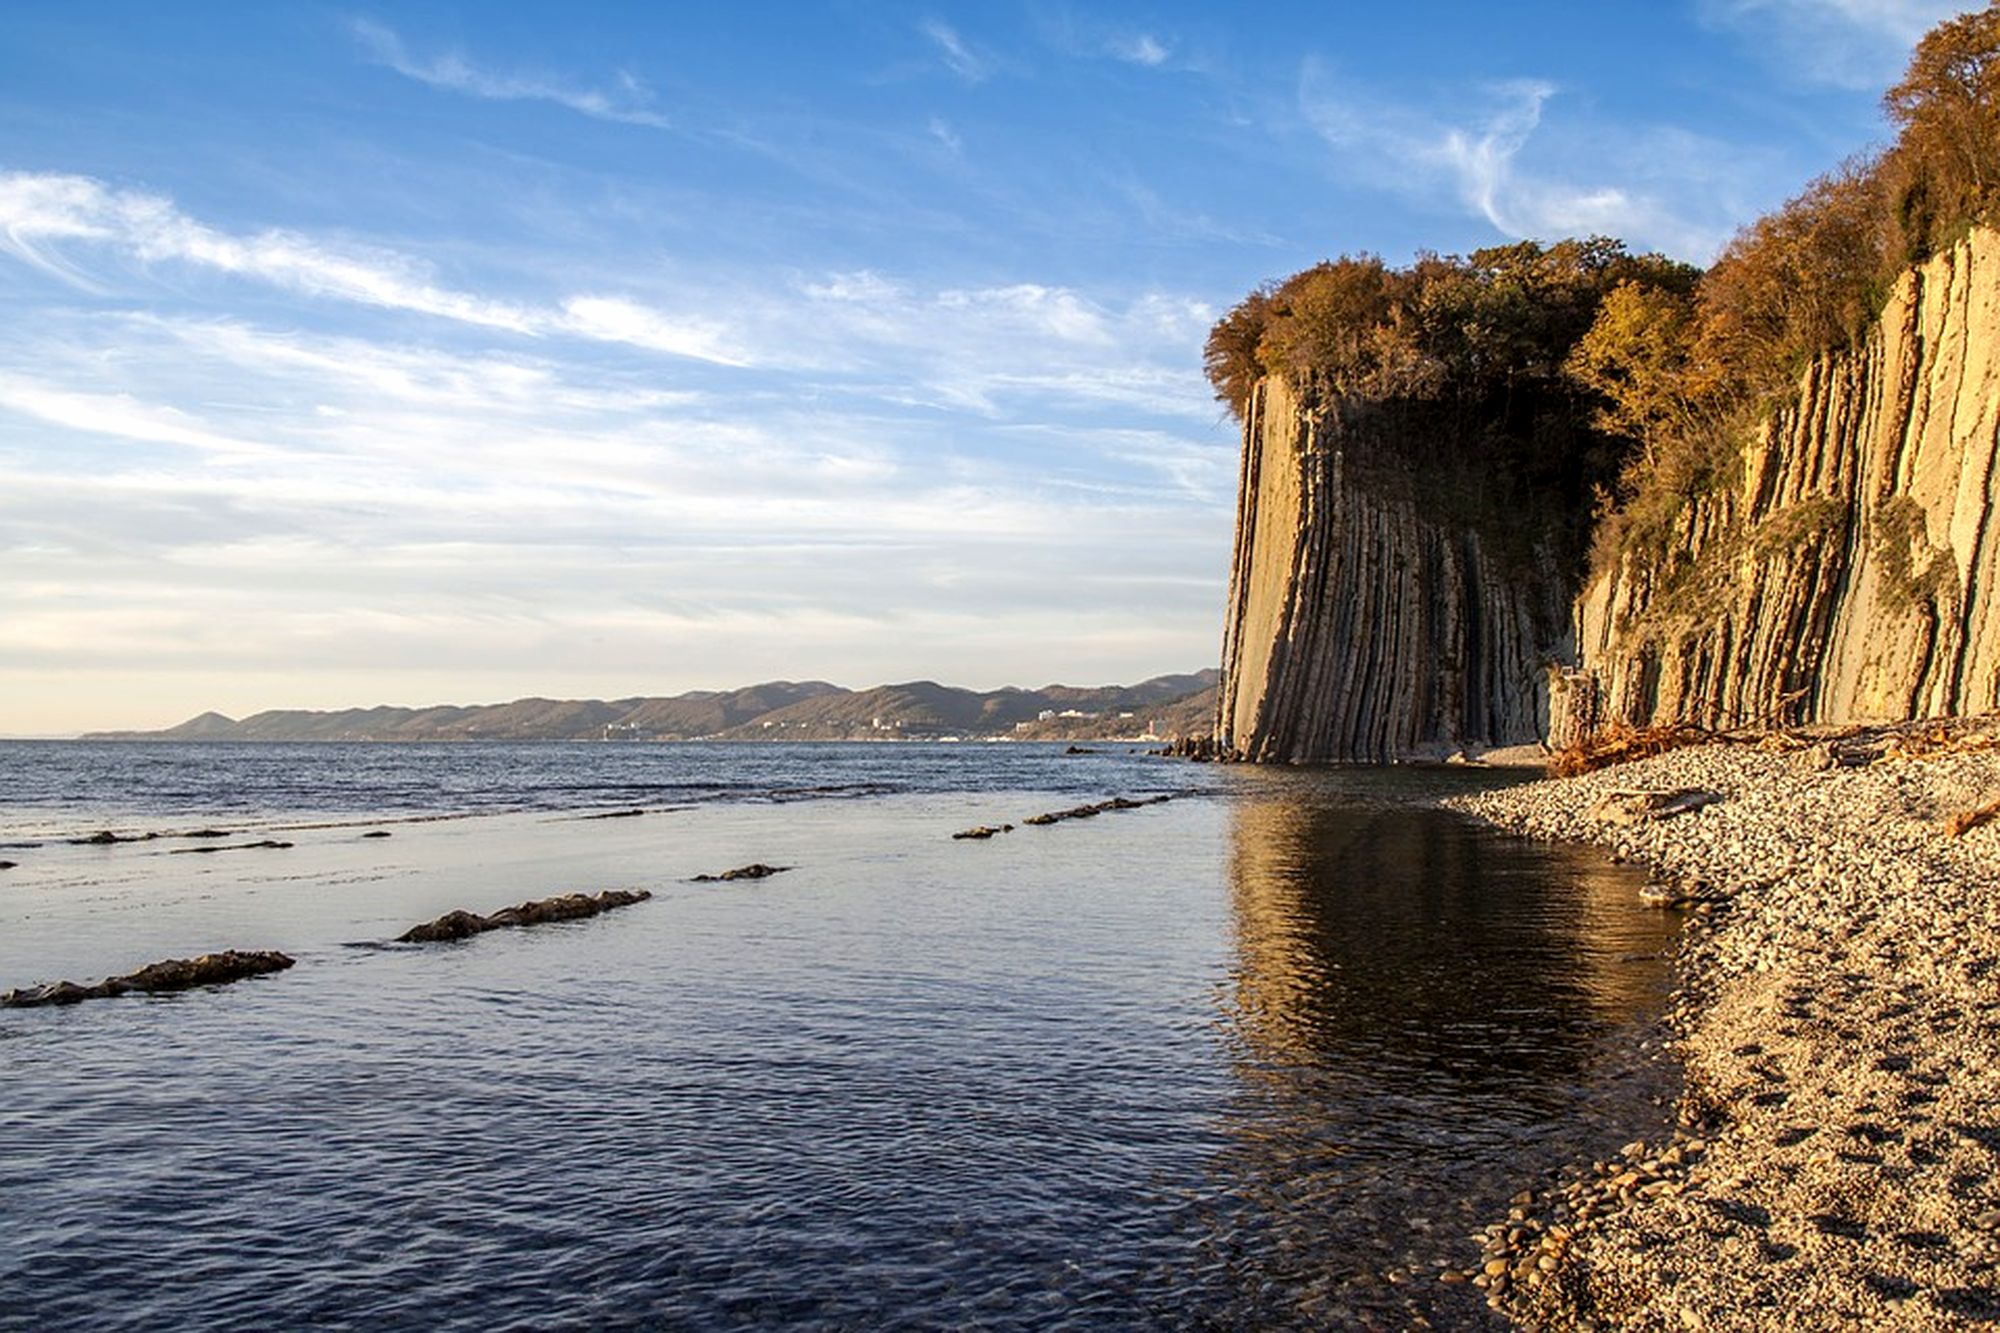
(1165, 706)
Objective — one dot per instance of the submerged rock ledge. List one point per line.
(175, 974)
(563, 907)
(1839, 1022)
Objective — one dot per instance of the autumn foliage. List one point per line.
(1670, 367)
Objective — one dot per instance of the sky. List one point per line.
(455, 353)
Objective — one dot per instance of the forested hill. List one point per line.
(778, 710)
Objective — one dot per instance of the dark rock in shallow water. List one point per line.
(756, 871)
(616, 814)
(564, 907)
(983, 831)
(376, 833)
(105, 838)
(451, 926)
(234, 847)
(1092, 811)
(208, 833)
(175, 974)
(8, 865)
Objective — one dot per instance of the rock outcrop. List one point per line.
(461, 924)
(1368, 621)
(175, 974)
(1852, 573)
(1848, 573)
(755, 870)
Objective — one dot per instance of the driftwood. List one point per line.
(175, 974)
(1965, 821)
(1621, 744)
(564, 907)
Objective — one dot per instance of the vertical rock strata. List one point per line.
(1851, 573)
(1366, 623)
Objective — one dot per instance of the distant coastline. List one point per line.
(1162, 708)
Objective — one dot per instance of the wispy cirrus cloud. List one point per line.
(958, 56)
(1852, 44)
(628, 103)
(498, 479)
(405, 503)
(947, 137)
(1479, 160)
(43, 217)
(1138, 49)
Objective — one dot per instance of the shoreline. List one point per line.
(1837, 1019)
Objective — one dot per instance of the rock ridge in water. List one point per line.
(461, 924)
(756, 870)
(174, 974)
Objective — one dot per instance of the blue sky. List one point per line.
(440, 353)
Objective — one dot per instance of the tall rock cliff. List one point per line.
(1369, 619)
(1853, 572)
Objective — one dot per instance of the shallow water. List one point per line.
(1239, 1060)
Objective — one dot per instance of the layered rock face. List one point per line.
(1365, 622)
(1852, 574)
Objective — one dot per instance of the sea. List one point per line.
(1259, 1056)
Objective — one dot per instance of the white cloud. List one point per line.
(627, 105)
(1856, 44)
(941, 130)
(39, 213)
(305, 496)
(1670, 189)
(958, 57)
(121, 416)
(1050, 312)
(615, 320)
(1141, 49)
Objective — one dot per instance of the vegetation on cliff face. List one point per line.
(1668, 369)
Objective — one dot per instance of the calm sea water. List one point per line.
(1258, 1057)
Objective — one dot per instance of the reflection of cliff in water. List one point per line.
(1427, 949)
(1424, 1016)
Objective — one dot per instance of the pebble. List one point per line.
(1837, 1148)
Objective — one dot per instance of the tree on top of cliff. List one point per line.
(1946, 163)
(1446, 327)
(1690, 378)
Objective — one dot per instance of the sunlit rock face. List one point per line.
(1851, 574)
(1384, 608)
(1391, 595)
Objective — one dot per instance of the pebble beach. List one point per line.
(1836, 1157)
